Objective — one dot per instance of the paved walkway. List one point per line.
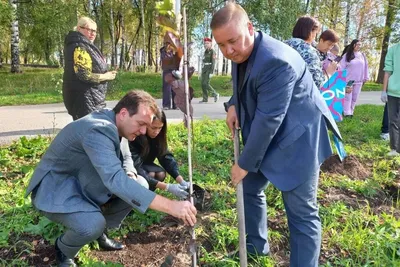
(48, 119)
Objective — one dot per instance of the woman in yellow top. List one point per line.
(85, 71)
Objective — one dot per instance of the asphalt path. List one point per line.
(48, 119)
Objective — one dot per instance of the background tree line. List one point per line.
(33, 31)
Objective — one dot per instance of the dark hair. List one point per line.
(133, 99)
(349, 50)
(345, 49)
(158, 143)
(227, 13)
(304, 26)
(329, 35)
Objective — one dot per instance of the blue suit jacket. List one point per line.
(282, 115)
(82, 169)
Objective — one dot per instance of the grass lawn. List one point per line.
(43, 86)
(359, 201)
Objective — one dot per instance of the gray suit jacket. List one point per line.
(283, 117)
(82, 169)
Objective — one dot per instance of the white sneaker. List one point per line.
(393, 153)
(216, 97)
(385, 136)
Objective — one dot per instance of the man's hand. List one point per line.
(237, 174)
(177, 190)
(384, 97)
(110, 75)
(185, 211)
(231, 120)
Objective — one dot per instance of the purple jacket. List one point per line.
(357, 69)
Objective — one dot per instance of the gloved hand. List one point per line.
(177, 190)
(185, 184)
(384, 97)
(210, 75)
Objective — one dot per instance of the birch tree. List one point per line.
(15, 68)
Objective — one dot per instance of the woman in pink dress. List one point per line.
(356, 65)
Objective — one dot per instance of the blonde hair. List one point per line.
(84, 21)
(230, 12)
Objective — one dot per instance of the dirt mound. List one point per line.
(351, 167)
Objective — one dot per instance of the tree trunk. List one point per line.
(307, 6)
(390, 17)
(157, 50)
(347, 25)
(144, 36)
(112, 34)
(14, 39)
(149, 52)
(122, 57)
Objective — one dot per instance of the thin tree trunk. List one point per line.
(149, 52)
(14, 39)
(112, 34)
(157, 50)
(347, 25)
(144, 35)
(307, 6)
(122, 57)
(390, 17)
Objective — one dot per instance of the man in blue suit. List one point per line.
(80, 181)
(284, 122)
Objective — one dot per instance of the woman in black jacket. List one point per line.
(146, 148)
(85, 71)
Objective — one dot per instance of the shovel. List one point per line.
(240, 207)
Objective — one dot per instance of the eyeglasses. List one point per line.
(89, 30)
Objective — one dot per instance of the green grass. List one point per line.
(361, 228)
(43, 86)
(371, 86)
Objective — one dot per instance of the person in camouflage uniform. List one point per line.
(208, 69)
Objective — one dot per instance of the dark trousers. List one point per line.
(168, 93)
(394, 122)
(206, 86)
(302, 215)
(385, 120)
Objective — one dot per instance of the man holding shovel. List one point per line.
(284, 123)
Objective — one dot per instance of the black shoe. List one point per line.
(109, 244)
(62, 260)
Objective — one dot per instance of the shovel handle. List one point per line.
(240, 206)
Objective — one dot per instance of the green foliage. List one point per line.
(46, 228)
(276, 17)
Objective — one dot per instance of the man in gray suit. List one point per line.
(81, 184)
(284, 123)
